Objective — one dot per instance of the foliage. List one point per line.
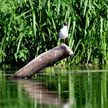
(30, 27)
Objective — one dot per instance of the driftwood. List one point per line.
(44, 60)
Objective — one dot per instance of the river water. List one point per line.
(76, 87)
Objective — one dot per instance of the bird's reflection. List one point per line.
(39, 92)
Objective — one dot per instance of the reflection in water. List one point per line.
(39, 92)
(57, 89)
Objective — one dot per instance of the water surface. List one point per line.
(77, 87)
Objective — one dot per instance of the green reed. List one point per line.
(30, 27)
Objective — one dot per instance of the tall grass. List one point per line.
(30, 27)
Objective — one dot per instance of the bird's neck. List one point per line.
(65, 27)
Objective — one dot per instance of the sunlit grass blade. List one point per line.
(77, 46)
(85, 6)
(19, 42)
(34, 17)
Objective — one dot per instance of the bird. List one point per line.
(63, 33)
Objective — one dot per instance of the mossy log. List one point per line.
(44, 60)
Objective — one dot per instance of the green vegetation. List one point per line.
(30, 27)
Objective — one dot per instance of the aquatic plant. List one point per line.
(30, 27)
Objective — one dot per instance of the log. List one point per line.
(44, 60)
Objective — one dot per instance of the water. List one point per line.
(56, 88)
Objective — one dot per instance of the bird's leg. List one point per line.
(64, 40)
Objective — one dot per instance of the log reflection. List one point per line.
(39, 92)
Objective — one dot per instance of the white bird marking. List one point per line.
(63, 34)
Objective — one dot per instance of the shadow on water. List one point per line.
(57, 88)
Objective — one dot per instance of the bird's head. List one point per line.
(65, 24)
